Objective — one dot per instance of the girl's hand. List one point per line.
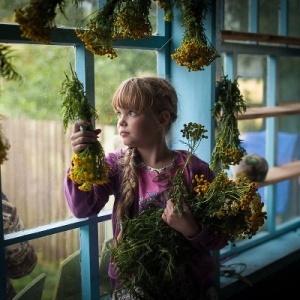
(81, 139)
(184, 223)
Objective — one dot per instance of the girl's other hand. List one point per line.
(184, 223)
(81, 139)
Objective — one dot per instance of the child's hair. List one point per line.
(141, 94)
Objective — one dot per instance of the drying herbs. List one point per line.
(195, 51)
(232, 209)
(116, 20)
(37, 18)
(119, 19)
(228, 149)
(88, 166)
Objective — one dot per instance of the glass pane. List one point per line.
(72, 16)
(294, 20)
(109, 74)
(287, 200)
(236, 15)
(39, 154)
(7, 10)
(251, 70)
(268, 16)
(288, 79)
(49, 253)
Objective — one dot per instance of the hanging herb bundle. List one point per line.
(230, 209)
(36, 19)
(119, 19)
(195, 51)
(228, 149)
(88, 166)
(116, 19)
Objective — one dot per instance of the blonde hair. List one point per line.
(141, 94)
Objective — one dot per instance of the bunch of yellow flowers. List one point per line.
(232, 209)
(88, 166)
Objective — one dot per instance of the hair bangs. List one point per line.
(133, 95)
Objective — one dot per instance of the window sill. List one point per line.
(261, 262)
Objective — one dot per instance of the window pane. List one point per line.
(251, 72)
(39, 154)
(110, 72)
(268, 16)
(236, 15)
(293, 19)
(288, 82)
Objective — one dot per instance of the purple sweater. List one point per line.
(151, 189)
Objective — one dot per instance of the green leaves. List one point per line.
(75, 104)
(6, 68)
(228, 149)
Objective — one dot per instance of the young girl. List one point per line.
(140, 172)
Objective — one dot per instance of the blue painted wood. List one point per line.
(53, 228)
(253, 16)
(271, 140)
(196, 90)
(10, 33)
(283, 17)
(89, 256)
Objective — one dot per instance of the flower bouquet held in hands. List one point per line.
(88, 166)
(232, 209)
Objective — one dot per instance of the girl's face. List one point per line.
(138, 129)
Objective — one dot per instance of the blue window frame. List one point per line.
(196, 92)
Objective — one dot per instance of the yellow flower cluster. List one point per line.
(116, 19)
(88, 169)
(232, 209)
(37, 19)
(139, 25)
(96, 39)
(124, 19)
(194, 54)
(226, 153)
(167, 6)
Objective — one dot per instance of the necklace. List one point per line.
(160, 170)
